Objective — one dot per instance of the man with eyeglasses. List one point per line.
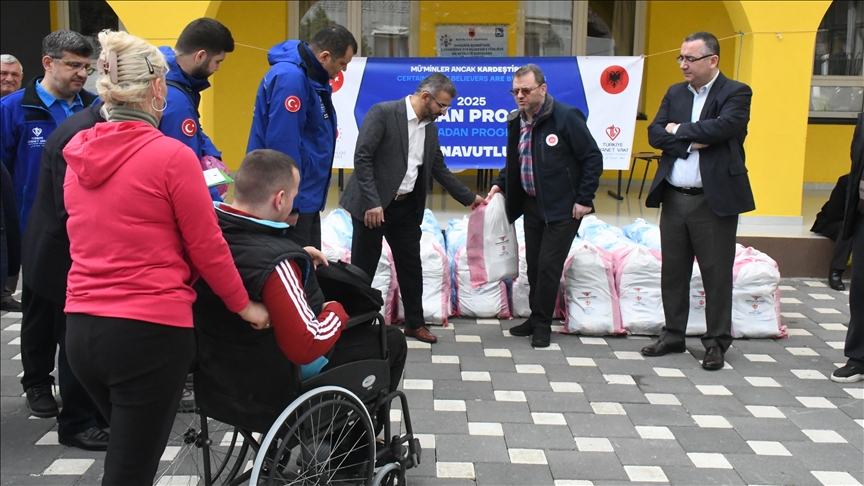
(397, 152)
(702, 185)
(552, 171)
(29, 117)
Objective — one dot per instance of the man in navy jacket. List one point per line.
(294, 114)
(702, 184)
(200, 49)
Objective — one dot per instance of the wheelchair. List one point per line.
(257, 421)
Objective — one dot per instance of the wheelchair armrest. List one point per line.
(370, 318)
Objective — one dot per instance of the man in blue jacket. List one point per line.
(552, 171)
(294, 114)
(200, 49)
(29, 116)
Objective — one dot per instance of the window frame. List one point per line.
(817, 80)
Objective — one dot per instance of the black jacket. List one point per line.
(10, 232)
(833, 209)
(45, 259)
(852, 197)
(566, 161)
(723, 126)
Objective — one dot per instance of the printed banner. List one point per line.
(473, 133)
(471, 40)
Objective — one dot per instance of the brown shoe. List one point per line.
(422, 334)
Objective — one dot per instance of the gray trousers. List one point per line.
(688, 229)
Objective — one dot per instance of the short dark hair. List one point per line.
(263, 172)
(531, 68)
(205, 33)
(335, 39)
(436, 83)
(60, 41)
(711, 46)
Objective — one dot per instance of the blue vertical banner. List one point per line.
(473, 133)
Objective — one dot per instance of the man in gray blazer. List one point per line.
(397, 151)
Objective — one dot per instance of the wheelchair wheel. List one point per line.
(324, 437)
(192, 438)
(389, 475)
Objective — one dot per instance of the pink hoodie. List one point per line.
(141, 227)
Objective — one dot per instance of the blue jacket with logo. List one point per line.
(294, 114)
(181, 120)
(25, 125)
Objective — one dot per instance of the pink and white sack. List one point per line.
(489, 300)
(591, 299)
(385, 281)
(336, 233)
(493, 251)
(756, 296)
(637, 276)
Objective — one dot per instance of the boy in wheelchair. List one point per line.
(243, 377)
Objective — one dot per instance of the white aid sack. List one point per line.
(336, 234)
(589, 291)
(486, 301)
(385, 281)
(521, 306)
(436, 282)
(696, 323)
(637, 274)
(493, 252)
(756, 296)
(644, 233)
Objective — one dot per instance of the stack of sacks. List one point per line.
(436, 274)
(637, 278)
(487, 300)
(604, 235)
(336, 234)
(591, 300)
(755, 296)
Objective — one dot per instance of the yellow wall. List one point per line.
(827, 156)
(480, 12)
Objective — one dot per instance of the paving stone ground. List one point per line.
(491, 410)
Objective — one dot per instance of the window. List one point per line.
(837, 87)
(314, 16)
(610, 28)
(385, 31)
(548, 28)
(92, 17)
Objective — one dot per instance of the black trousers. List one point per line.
(307, 231)
(842, 248)
(43, 328)
(362, 342)
(689, 228)
(854, 349)
(134, 371)
(546, 247)
(402, 231)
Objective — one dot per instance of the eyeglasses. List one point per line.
(77, 66)
(442, 105)
(691, 59)
(524, 91)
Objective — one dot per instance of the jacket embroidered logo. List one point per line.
(292, 104)
(189, 127)
(37, 131)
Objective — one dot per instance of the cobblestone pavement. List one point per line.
(491, 410)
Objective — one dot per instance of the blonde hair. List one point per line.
(136, 64)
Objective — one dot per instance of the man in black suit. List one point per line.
(853, 227)
(829, 223)
(703, 186)
(397, 151)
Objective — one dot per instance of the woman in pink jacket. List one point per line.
(142, 228)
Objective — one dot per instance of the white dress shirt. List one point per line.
(416, 140)
(685, 172)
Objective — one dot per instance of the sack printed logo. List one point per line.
(189, 127)
(755, 297)
(292, 104)
(755, 306)
(614, 79)
(612, 132)
(586, 293)
(701, 302)
(336, 83)
(552, 140)
(37, 131)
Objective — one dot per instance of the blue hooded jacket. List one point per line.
(180, 120)
(294, 114)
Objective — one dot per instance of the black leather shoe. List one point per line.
(713, 359)
(524, 329)
(662, 348)
(10, 305)
(92, 439)
(835, 280)
(541, 337)
(41, 402)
